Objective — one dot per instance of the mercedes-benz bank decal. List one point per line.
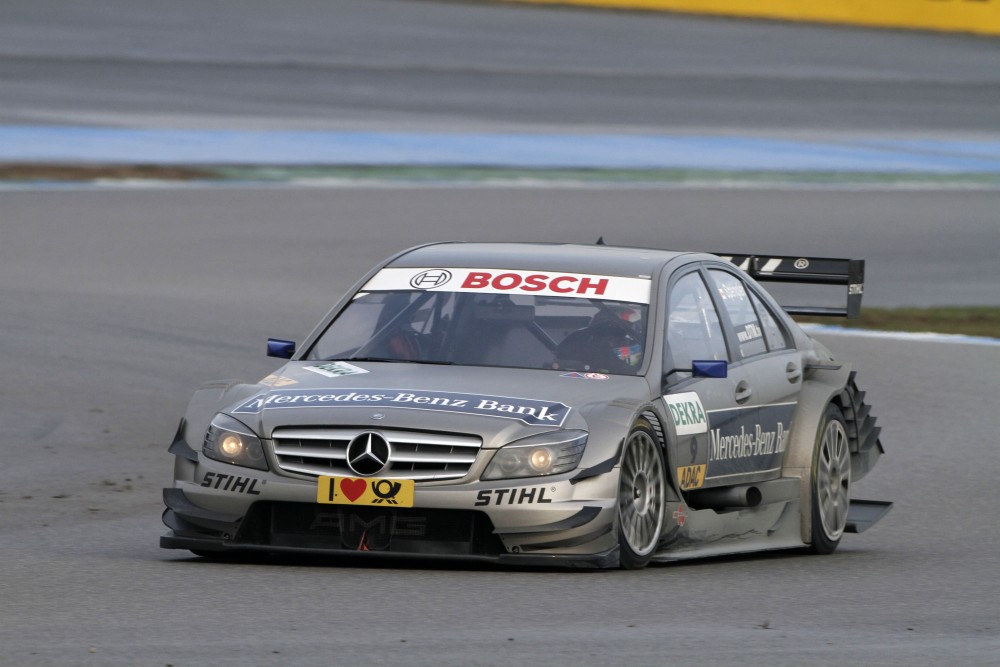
(528, 410)
(368, 454)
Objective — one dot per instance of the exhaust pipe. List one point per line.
(733, 496)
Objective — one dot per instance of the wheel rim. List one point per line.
(833, 480)
(640, 494)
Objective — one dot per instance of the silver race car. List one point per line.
(573, 405)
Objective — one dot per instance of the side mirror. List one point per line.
(710, 369)
(282, 349)
(706, 368)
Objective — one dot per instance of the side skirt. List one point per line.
(716, 533)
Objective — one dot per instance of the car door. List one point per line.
(701, 410)
(773, 368)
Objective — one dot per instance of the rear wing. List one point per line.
(808, 270)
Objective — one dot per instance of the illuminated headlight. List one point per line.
(542, 454)
(230, 441)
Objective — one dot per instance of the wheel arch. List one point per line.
(656, 421)
(822, 388)
(638, 545)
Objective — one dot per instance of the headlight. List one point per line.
(230, 441)
(537, 455)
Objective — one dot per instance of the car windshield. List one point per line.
(476, 329)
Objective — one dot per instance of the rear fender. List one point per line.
(818, 390)
(863, 434)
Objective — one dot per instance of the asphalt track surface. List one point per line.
(116, 304)
(405, 65)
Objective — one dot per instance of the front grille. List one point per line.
(416, 455)
(400, 530)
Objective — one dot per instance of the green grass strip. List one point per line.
(444, 174)
(433, 175)
(965, 320)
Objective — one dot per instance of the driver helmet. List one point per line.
(629, 354)
(618, 327)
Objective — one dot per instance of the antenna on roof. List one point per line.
(600, 241)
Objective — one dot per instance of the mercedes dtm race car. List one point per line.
(543, 405)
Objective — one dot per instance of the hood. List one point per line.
(498, 404)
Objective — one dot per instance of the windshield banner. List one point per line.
(507, 281)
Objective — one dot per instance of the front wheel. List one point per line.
(831, 483)
(642, 490)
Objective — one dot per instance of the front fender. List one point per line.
(206, 402)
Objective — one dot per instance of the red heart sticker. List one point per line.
(353, 488)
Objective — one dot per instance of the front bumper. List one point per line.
(311, 529)
(559, 521)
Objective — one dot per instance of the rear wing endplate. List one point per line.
(808, 270)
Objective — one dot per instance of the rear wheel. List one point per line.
(831, 483)
(642, 490)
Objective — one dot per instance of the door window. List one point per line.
(693, 328)
(736, 301)
(773, 333)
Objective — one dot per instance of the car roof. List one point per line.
(567, 258)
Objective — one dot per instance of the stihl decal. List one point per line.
(232, 483)
(526, 495)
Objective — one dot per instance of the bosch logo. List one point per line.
(430, 279)
(802, 263)
(368, 454)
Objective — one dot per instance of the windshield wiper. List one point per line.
(395, 361)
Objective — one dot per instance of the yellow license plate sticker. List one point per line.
(691, 477)
(365, 491)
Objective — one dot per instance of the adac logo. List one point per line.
(691, 477)
(430, 279)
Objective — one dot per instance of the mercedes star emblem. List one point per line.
(368, 454)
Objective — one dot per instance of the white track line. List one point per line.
(927, 337)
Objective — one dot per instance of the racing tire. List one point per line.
(831, 482)
(642, 489)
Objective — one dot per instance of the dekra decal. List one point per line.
(687, 413)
